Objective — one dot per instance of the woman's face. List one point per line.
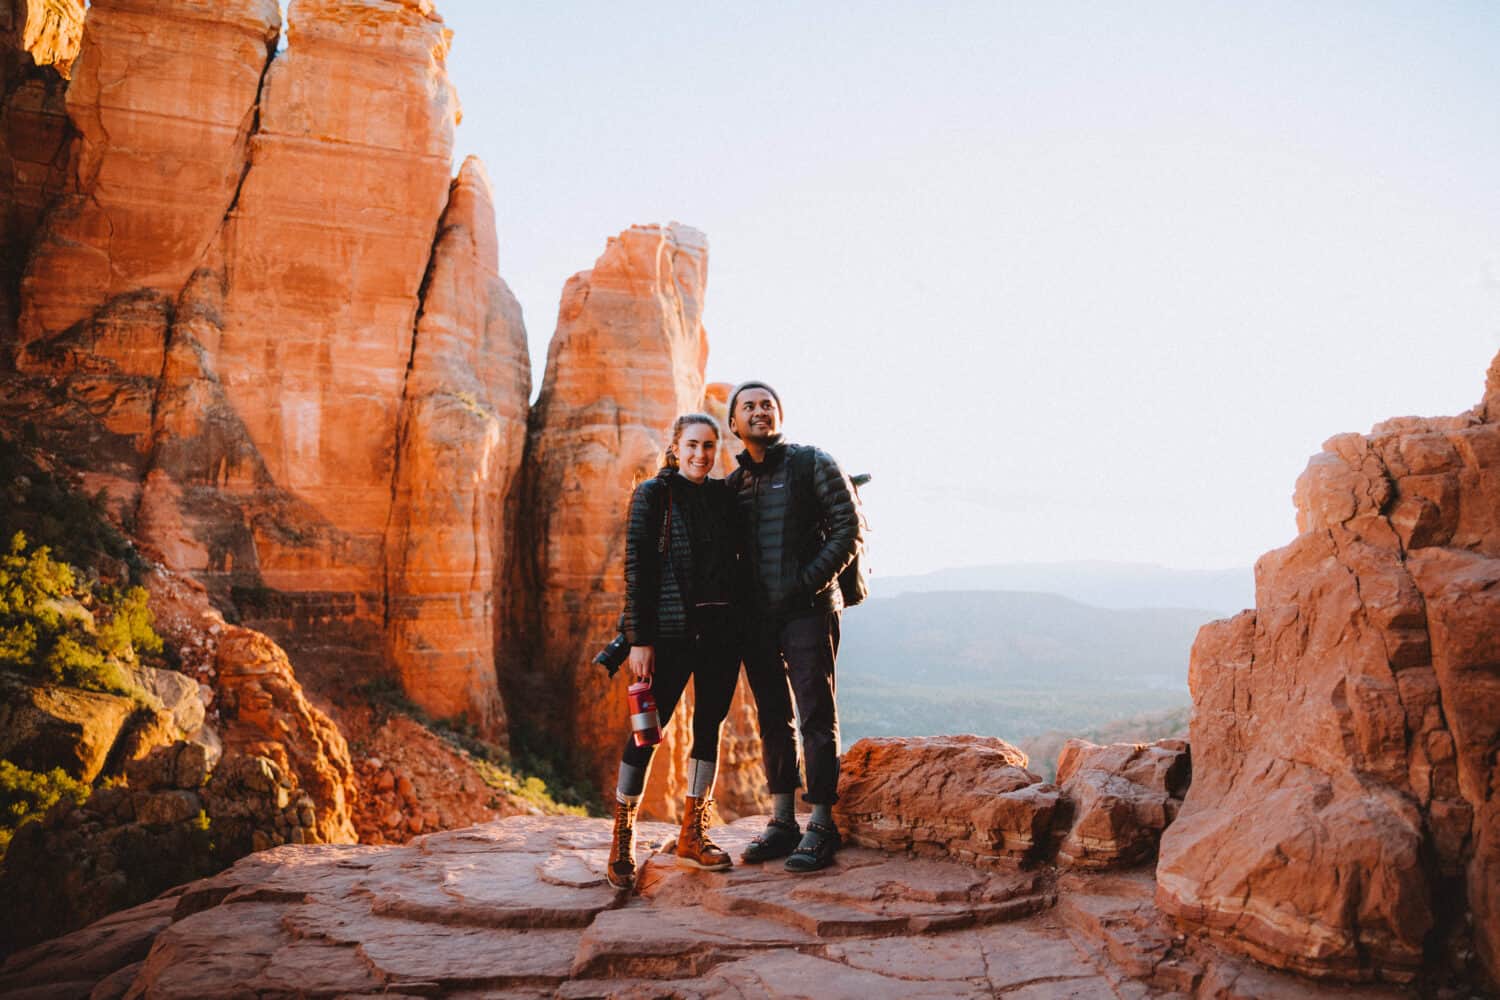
(697, 448)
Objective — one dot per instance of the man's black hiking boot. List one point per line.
(779, 839)
(816, 850)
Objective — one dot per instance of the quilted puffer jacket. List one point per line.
(655, 606)
(801, 531)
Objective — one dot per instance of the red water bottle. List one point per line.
(644, 722)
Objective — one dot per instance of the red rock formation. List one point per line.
(520, 907)
(325, 253)
(459, 444)
(627, 357)
(38, 43)
(412, 782)
(50, 30)
(966, 797)
(259, 708)
(1119, 800)
(225, 302)
(1341, 819)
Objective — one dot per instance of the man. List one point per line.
(802, 530)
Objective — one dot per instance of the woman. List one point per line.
(680, 566)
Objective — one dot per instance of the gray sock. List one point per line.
(631, 783)
(784, 806)
(822, 814)
(701, 777)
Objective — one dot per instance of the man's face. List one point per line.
(757, 418)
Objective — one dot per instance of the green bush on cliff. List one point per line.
(54, 627)
(28, 795)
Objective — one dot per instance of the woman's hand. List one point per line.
(642, 662)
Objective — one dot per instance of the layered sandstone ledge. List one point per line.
(519, 908)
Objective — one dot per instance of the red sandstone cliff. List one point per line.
(1342, 819)
(459, 443)
(38, 43)
(627, 357)
(221, 323)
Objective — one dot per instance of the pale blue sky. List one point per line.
(1072, 280)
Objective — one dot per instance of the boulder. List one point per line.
(966, 797)
(46, 727)
(177, 693)
(1119, 798)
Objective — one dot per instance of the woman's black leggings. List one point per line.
(712, 660)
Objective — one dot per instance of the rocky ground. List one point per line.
(519, 908)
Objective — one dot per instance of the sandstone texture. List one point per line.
(257, 707)
(967, 797)
(627, 357)
(459, 444)
(324, 253)
(519, 908)
(1119, 799)
(38, 43)
(247, 316)
(411, 782)
(169, 823)
(1342, 819)
(46, 727)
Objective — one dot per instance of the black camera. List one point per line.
(611, 656)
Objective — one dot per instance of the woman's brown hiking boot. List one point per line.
(694, 849)
(621, 868)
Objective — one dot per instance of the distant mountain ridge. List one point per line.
(1103, 584)
(1013, 664)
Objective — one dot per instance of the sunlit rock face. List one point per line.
(1342, 814)
(163, 101)
(459, 444)
(627, 357)
(220, 323)
(324, 255)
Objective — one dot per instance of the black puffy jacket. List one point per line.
(799, 535)
(655, 606)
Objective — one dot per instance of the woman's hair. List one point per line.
(682, 423)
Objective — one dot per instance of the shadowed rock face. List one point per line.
(627, 357)
(38, 43)
(1342, 817)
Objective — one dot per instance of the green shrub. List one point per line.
(26, 795)
(54, 628)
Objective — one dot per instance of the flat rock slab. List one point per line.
(519, 908)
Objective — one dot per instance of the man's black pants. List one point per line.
(794, 659)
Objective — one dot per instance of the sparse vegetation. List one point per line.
(26, 795)
(56, 514)
(56, 627)
(523, 775)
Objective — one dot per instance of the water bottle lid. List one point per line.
(640, 686)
